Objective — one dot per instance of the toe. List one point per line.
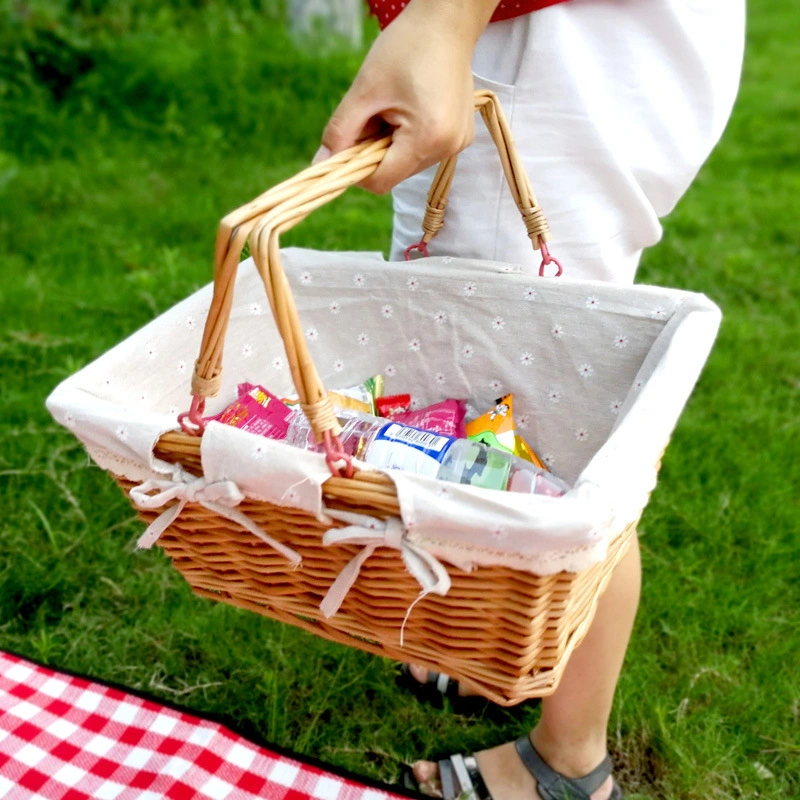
(418, 673)
(426, 771)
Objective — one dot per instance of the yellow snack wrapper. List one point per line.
(356, 398)
(496, 428)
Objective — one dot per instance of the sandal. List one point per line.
(440, 687)
(460, 778)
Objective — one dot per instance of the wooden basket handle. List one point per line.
(281, 208)
(487, 104)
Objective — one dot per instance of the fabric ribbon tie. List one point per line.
(220, 497)
(373, 533)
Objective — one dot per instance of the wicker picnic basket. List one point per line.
(505, 632)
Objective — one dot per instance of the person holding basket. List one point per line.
(614, 105)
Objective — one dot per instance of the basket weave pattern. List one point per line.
(506, 633)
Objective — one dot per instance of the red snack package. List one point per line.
(257, 411)
(446, 418)
(394, 404)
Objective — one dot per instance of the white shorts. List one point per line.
(614, 106)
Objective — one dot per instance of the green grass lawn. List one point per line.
(109, 201)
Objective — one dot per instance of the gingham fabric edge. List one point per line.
(65, 737)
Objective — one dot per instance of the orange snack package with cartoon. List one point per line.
(496, 428)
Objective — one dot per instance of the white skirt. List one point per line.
(614, 106)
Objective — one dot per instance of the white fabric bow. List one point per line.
(219, 497)
(373, 533)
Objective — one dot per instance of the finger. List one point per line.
(400, 162)
(346, 125)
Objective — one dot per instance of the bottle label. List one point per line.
(400, 447)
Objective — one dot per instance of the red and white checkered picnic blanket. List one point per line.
(67, 738)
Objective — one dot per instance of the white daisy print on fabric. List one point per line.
(387, 311)
(523, 420)
(151, 352)
(312, 334)
(416, 404)
(498, 534)
(467, 351)
(615, 406)
(142, 398)
(496, 385)
(278, 363)
(191, 323)
(592, 302)
(390, 370)
(529, 293)
(69, 420)
(549, 460)
(122, 432)
(506, 268)
(334, 307)
(638, 385)
(362, 339)
(445, 259)
(582, 435)
(659, 312)
(554, 395)
(413, 284)
(498, 323)
(247, 351)
(415, 345)
(470, 288)
(305, 278)
(180, 367)
(255, 309)
(440, 317)
(359, 280)
(440, 378)
(173, 411)
(258, 452)
(526, 359)
(586, 370)
(620, 340)
(338, 365)
(557, 331)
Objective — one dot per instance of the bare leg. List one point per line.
(571, 734)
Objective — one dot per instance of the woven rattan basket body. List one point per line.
(506, 633)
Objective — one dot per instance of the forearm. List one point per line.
(466, 19)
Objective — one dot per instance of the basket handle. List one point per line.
(263, 220)
(487, 104)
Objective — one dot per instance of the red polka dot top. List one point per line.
(387, 10)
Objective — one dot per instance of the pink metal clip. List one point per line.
(334, 453)
(548, 259)
(421, 245)
(196, 424)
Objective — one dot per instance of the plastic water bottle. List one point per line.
(389, 445)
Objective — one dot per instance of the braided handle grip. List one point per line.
(282, 207)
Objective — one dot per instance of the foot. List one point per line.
(421, 675)
(504, 774)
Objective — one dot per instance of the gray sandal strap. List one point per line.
(460, 778)
(439, 680)
(551, 785)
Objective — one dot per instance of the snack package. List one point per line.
(393, 404)
(496, 428)
(355, 398)
(257, 411)
(445, 418)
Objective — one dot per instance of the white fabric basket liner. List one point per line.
(599, 372)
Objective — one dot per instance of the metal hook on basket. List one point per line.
(421, 246)
(335, 454)
(195, 424)
(548, 259)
